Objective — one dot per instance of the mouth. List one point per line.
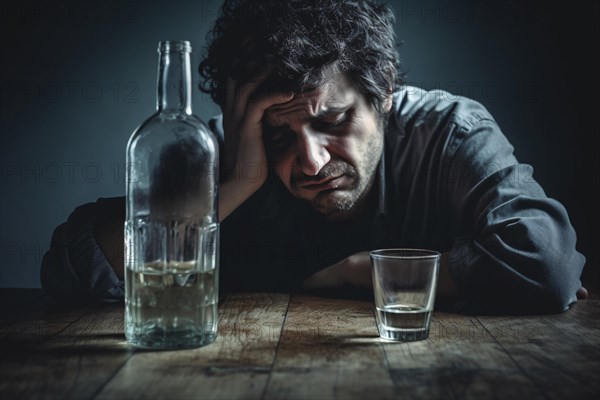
(327, 184)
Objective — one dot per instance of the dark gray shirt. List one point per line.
(448, 180)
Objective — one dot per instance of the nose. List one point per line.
(312, 153)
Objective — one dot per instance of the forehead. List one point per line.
(334, 92)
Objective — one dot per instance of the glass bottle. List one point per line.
(171, 226)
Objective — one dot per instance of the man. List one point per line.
(327, 155)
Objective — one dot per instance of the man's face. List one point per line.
(325, 146)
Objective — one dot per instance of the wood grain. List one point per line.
(329, 349)
(25, 328)
(459, 360)
(74, 363)
(559, 353)
(273, 346)
(237, 365)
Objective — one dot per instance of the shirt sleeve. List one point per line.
(517, 250)
(75, 269)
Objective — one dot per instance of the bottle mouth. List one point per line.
(179, 46)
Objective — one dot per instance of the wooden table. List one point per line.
(298, 346)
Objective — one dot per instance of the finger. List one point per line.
(256, 109)
(244, 92)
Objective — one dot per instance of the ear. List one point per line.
(387, 103)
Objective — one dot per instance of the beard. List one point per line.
(340, 203)
(330, 201)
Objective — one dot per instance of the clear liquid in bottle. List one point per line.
(171, 226)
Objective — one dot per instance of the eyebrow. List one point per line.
(330, 111)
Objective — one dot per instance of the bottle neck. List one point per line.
(174, 78)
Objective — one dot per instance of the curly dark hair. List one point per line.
(299, 38)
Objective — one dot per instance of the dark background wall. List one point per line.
(78, 77)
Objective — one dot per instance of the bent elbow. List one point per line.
(562, 281)
(532, 283)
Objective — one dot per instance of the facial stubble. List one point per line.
(334, 202)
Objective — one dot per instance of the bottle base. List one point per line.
(157, 338)
(404, 335)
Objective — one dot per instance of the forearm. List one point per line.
(507, 272)
(232, 195)
(75, 268)
(355, 271)
(111, 239)
(109, 234)
(516, 247)
(520, 254)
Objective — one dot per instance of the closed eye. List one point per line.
(324, 125)
(280, 139)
